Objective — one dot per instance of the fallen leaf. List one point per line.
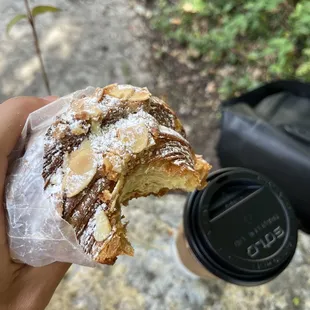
(193, 53)
(211, 87)
(175, 21)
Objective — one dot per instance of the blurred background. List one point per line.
(192, 53)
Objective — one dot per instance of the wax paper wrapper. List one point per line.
(37, 234)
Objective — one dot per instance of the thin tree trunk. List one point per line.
(37, 46)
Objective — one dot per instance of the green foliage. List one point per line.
(271, 35)
(40, 9)
(231, 85)
(14, 21)
(296, 301)
(303, 69)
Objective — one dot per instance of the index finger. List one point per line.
(13, 115)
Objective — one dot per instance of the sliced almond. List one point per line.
(142, 139)
(113, 162)
(79, 130)
(95, 127)
(81, 170)
(117, 191)
(108, 88)
(103, 226)
(136, 137)
(60, 131)
(82, 162)
(107, 164)
(99, 92)
(85, 145)
(110, 169)
(78, 105)
(127, 92)
(121, 93)
(140, 95)
(85, 109)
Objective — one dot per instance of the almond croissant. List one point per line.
(118, 144)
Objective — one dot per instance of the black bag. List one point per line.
(268, 130)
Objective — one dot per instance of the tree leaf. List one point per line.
(296, 301)
(41, 9)
(14, 21)
(303, 70)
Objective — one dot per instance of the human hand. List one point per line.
(21, 286)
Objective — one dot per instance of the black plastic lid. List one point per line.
(241, 227)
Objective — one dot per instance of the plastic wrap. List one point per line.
(37, 234)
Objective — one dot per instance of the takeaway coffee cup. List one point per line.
(240, 228)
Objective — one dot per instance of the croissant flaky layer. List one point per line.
(118, 144)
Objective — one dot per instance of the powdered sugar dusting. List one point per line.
(55, 188)
(76, 124)
(86, 237)
(90, 101)
(109, 141)
(101, 207)
(108, 102)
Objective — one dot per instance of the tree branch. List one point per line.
(37, 46)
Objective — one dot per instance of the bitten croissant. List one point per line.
(118, 144)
